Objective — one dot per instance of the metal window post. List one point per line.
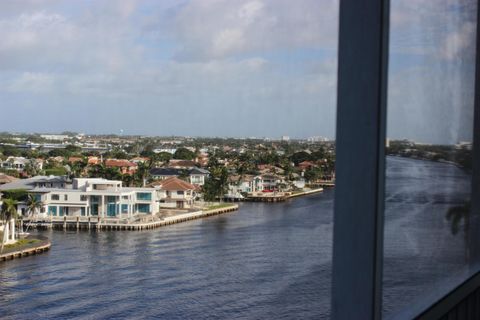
(360, 172)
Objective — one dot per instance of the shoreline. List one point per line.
(101, 224)
(28, 249)
(281, 197)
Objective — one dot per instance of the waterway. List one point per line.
(266, 261)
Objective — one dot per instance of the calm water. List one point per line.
(266, 261)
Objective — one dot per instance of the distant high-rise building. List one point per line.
(317, 139)
(285, 138)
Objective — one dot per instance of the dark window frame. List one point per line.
(360, 185)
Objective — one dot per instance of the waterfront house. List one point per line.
(195, 176)
(96, 197)
(271, 182)
(175, 193)
(238, 185)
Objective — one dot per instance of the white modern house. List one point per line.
(96, 197)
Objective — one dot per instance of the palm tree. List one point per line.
(77, 168)
(143, 171)
(34, 205)
(9, 210)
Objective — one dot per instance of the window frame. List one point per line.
(357, 267)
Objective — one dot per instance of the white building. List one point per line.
(96, 197)
(55, 137)
(19, 163)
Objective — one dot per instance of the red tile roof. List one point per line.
(74, 159)
(173, 184)
(119, 163)
(6, 179)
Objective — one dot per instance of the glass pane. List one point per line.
(214, 103)
(428, 175)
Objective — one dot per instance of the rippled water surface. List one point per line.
(266, 261)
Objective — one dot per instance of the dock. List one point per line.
(279, 196)
(27, 250)
(144, 223)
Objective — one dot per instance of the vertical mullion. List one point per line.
(475, 191)
(360, 172)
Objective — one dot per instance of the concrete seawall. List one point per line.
(304, 193)
(27, 250)
(102, 224)
(280, 196)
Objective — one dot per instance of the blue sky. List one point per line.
(223, 67)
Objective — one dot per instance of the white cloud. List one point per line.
(32, 82)
(458, 42)
(225, 28)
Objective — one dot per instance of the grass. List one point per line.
(21, 242)
(218, 206)
(56, 171)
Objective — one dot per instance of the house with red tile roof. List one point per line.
(125, 166)
(92, 160)
(306, 165)
(175, 193)
(74, 159)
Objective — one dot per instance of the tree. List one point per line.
(313, 173)
(164, 157)
(8, 211)
(97, 170)
(34, 205)
(73, 149)
(216, 185)
(298, 157)
(77, 168)
(127, 180)
(142, 173)
(31, 168)
(184, 154)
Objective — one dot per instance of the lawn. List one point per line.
(218, 206)
(21, 242)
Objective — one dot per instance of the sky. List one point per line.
(236, 68)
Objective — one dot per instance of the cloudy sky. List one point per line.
(223, 67)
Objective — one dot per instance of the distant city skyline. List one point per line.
(223, 68)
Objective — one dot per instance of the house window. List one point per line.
(143, 208)
(55, 197)
(83, 197)
(65, 197)
(52, 210)
(145, 196)
(180, 192)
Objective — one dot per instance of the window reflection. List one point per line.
(429, 152)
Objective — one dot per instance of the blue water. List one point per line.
(266, 261)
